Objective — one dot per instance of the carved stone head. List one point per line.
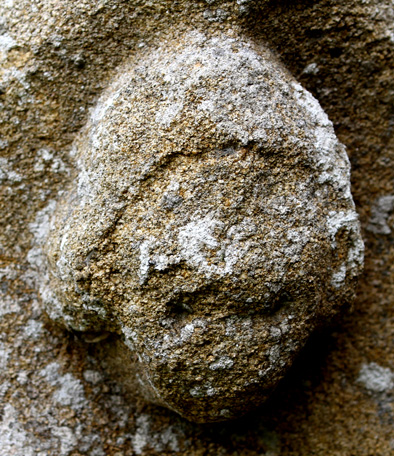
(210, 223)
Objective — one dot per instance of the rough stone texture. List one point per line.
(210, 223)
(56, 59)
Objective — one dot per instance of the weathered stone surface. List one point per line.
(210, 223)
(55, 59)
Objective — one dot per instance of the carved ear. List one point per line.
(211, 223)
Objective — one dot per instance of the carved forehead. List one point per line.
(206, 95)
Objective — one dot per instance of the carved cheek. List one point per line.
(210, 224)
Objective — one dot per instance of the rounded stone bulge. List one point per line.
(210, 224)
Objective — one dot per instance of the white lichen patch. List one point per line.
(42, 223)
(4, 387)
(66, 438)
(8, 273)
(69, 390)
(93, 377)
(382, 15)
(17, 78)
(187, 331)
(45, 158)
(3, 145)
(224, 362)
(202, 243)
(6, 44)
(346, 221)
(218, 15)
(40, 228)
(309, 102)
(312, 68)
(163, 348)
(14, 440)
(381, 209)
(5, 352)
(274, 354)
(329, 155)
(144, 261)
(206, 390)
(7, 173)
(141, 438)
(33, 329)
(197, 236)
(144, 437)
(205, 246)
(9, 305)
(169, 114)
(338, 278)
(23, 377)
(375, 378)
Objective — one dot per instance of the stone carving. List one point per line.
(210, 223)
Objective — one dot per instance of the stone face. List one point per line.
(210, 224)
